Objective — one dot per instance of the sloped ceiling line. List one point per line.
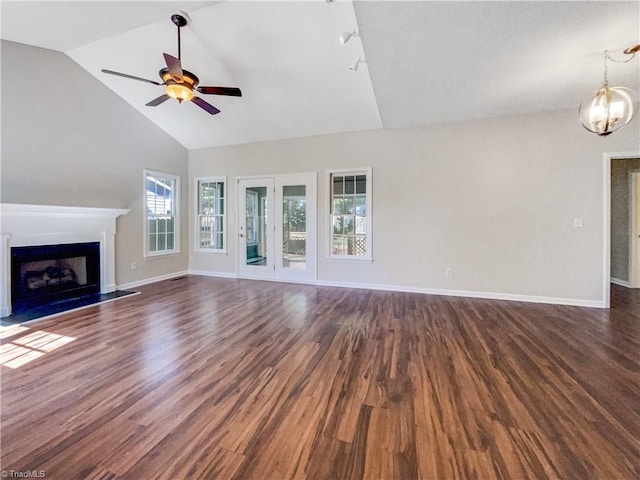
(427, 62)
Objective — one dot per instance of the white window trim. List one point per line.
(197, 247)
(329, 225)
(176, 246)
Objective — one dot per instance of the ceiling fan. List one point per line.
(180, 84)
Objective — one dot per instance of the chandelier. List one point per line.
(609, 108)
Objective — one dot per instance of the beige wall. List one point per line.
(620, 215)
(68, 140)
(495, 200)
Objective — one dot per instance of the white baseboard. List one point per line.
(206, 273)
(622, 283)
(146, 281)
(576, 302)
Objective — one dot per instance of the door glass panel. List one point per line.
(256, 226)
(294, 226)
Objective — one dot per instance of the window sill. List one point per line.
(210, 252)
(349, 259)
(173, 253)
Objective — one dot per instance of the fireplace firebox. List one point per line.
(48, 273)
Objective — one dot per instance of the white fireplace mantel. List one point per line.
(25, 225)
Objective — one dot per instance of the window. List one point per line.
(211, 214)
(161, 193)
(350, 213)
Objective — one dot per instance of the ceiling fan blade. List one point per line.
(174, 66)
(157, 101)
(231, 91)
(132, 77)
(205, 106)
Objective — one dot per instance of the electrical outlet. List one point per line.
(449, 272)
(134, 265)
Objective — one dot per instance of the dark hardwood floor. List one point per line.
(218, 379)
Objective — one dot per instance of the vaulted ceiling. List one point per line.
(425, 62)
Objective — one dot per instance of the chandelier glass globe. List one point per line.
(607, 110)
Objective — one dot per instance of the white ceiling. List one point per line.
(426, 62)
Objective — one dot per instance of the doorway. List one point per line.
(277, 233)
(634, 229)
(625, 222)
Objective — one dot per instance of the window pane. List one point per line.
(153, 226)
(204, 229)
(338, 206)
(162, 225)
(348, 205)
(361, 225)
(205, 198)
(170, 241)
(361, 205)
(337, 225)
(294, 226)
(348, 224)
(349, 187)
(360, 246)
(338, 188)
(349, 246)
(169, 197)
(152, 242)
(361, 184)
(337, 245)
(256, 225)
(162, 244)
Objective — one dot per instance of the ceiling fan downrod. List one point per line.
(179, 21)
(178, 83)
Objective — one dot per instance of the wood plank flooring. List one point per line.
(209, 378)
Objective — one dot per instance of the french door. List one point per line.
(277, 227)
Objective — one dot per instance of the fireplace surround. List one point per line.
(38, 227)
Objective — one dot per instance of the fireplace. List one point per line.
(46, 273)
(38, 227)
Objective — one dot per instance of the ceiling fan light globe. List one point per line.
(179, 92)
(608, 109)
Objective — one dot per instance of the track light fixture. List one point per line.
(346, 36)
(355, 65)
(609, 108)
